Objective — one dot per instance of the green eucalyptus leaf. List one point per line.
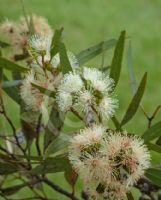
(117, 58)
(52, 165)
(154, 175)
(153, 132)
(55, 42)
(158, 142)
(54, 125)
(154, 147)
(44, 90)
(31, 26)
(8, 84)
(8, 64)
(135, 102)
(12, 92)
(61, 142)
(129, 196)
(95, 50)
(7, 168)
(11, 190)
(64, 61)
(4, 44)
(131, 70)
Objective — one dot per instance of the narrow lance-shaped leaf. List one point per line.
(61, 142)
(44, 90)
(95, 50)
(131, 70)
(135, 101)
(8, 84)
(4, 44)
(154, 147)
(31, 26)
(117, 58)
(54, 125)
(153, 132)
(55, 42)
(52, 165)
(129, 196)
(6, 168)
(7, 64)
(12, 92)
(154, 175)
(64, 61)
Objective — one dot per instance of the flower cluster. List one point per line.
(108, 162)
(86, 90)
(32, 97)
(44, 72)
(19, 32)
(90, 90)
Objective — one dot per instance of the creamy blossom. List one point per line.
(128, 152)
(108, 162)
(32, 97)
(107, 107)
(98, 80)
(41, 43)
(18, 32)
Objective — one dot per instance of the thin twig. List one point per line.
(99, 117)
(77, 114)
(10, 190)
(59, 189)
(3, 112)
(150, 119)
(38, 135)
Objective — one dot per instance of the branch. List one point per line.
(59, 189)
(3, 112)
(38, 135)
(77, 114)
(13, 189)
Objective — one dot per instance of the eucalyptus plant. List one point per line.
(50, 84)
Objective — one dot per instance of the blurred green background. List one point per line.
(87, 22)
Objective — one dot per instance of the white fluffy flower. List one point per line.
(109, 163)
(18, 32)
(64, 101)
(98, 80)
(55, 61)
(71, 83)
(84, 100)
(41, 25)
(41, 43)
(32, 96)
(7, 27)
(106, 107)
(91, 74)
(129, 153)
(87, 137)
(83, 153)
(68, 88)
(39, 61)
